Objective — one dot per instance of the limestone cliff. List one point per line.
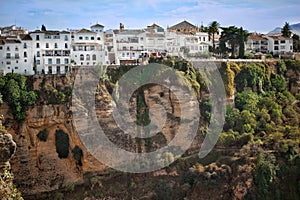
(37, 165)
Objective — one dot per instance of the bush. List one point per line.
(43, 135)
(16, 94)
(62, 144)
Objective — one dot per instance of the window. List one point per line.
(7, 48)
(133, 54)
(282, 41)
(16, 48)
(124, 48)
(66, 45)
(88, 57)
(80, 48)
(16, 67)
(49, 61)
(123, 54)
(127, 54)
(92, 48)
(25, 46)
(80, 38)
(275, 47)
(66, 61)
(276, 42)
(131, 48)
(47, 45)
(38, 62)
(142, 38)
(8, 55)
(94, 57)
(1, 47)
(203, 39)
(87, 63)
(81, 57)
(86, 38)
(8, 62)
(66, 38)
(56, 36)
(92, 38)
(98, 38)
(282, 47)
(47, 36)
(55, 45)
(25, 54)
(37, 45)
(37, 37)
(25, 60)
(57, 61)
(38, 54)
(50, 70)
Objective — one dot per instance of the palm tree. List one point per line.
(214, 28)
(235, 37)
(286, 30)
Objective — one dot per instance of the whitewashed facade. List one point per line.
(88, 47)
(52, 51)
(16, 55)
(277, 44)
(129, 45)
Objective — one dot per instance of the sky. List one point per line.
(253, 15)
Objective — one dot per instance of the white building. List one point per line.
(129, 45)
(52, 51)
(257, 43)
(16, 54)
(155, 39)
(195, 43)
(88, 47)
(277, 44)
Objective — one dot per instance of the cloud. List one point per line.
(60, 14)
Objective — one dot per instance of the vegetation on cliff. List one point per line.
(256, 157)
(14, 90)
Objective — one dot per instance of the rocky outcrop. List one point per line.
(37, 165)
(7, 147)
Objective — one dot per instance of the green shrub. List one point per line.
(17, 96)
(62, 144)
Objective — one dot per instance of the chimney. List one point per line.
(121, 26)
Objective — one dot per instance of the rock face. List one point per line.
(7, 147)
(37, 165)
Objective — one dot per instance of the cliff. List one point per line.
(51, 159)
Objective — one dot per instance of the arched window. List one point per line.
(55, 45)
(94, 56)
(81, 57)
(25, 54)
(66, 45)
(88, 57)
(47, 45)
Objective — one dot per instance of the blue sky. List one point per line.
(253, 15)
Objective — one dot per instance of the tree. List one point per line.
(43, 28)
(235, 37)
(214, 28)
(296, 42)
(286, 30)
(243, 36)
